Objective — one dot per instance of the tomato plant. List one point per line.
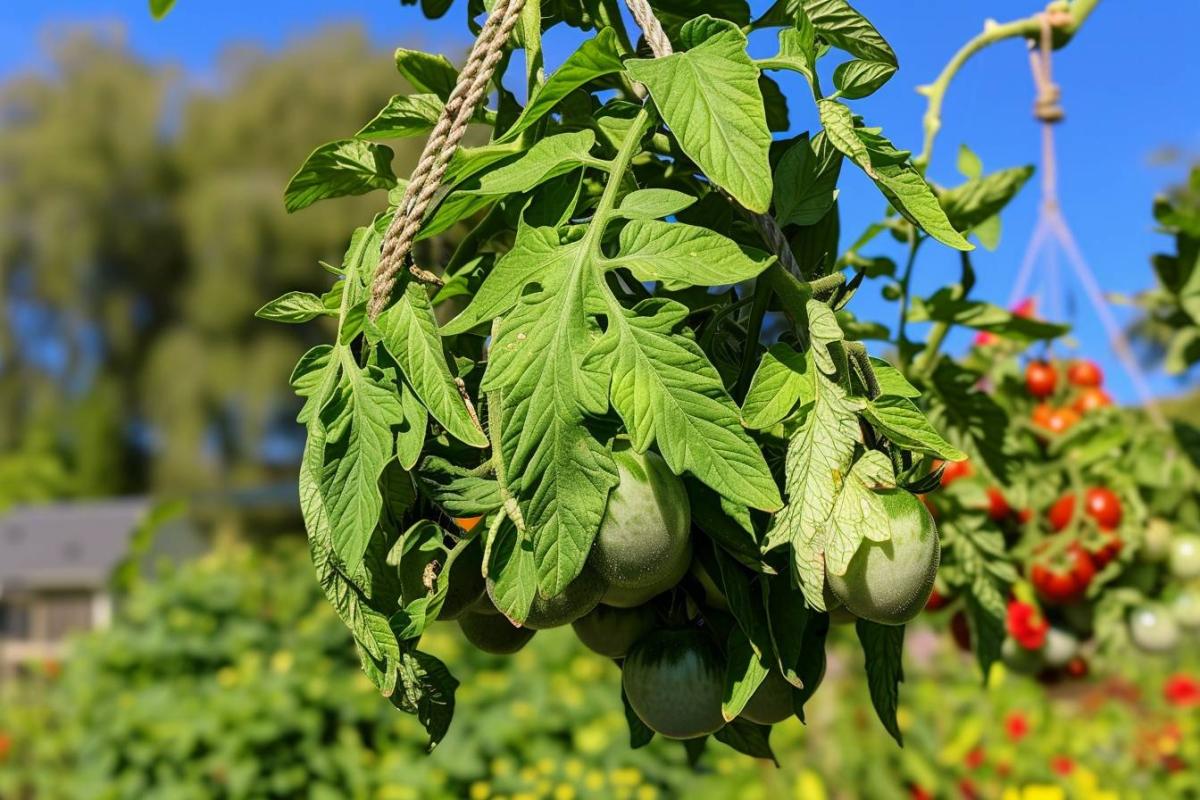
(637, 382)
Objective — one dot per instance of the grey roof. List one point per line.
(66, 544)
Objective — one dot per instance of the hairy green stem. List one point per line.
(531, 34)
(1027, 28)
(858, 351)
(827, 284)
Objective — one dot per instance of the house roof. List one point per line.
(63, 545)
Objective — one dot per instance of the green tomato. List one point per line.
(611, 631)
(581, 596)
(890, 582)
(644, 543)
(1020, 660)
(1060, 647)
(674, 680)
(493, 633)
(466, 582)
(1156, 544)
(771, 701)
(1185, 556)
(1153, 629)
(1186, 608)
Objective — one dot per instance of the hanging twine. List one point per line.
(1047, 106)
(426, 179)
(660, 45)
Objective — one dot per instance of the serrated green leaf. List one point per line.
(838, 23)
(823, 332)
(906, 425)
(535, 253)
(883, 649)
(654, 203)
(549, 158)
(404, 116)
(858, 512)
(313, 379)
(780, 382)
(745, 670)
(427, 72)
(945, 306)
(458, 490)
(838, 122)
(681, 255)
(595, 58)
(892, 381)
(980, 199)
(561, 474)
(710, 98)
(857, 79)
(294, 307)
(806, 181)
(410, 436)
(666, 392)
(337, 169)
(818, 459)
(513, 570)
(358, 418)
(409, 332)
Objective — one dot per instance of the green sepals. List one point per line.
(341, 168)
(710, 99)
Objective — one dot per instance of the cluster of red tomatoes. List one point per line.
(1084, 395)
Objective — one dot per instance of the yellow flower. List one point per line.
(545, 766)
(564, 791)
(647, 792)
(573, 768)
(810, 786)
(1043, 791)
(502, 767)
(626, 776)
(480, 790)
(281, 662)
(227, 677)
(594, 781)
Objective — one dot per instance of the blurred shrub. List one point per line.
(230, 678)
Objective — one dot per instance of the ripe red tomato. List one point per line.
(998, 508)
(953, 470)
(985, 339)
(1024, 515)
(1040, 378)
(1063, 577)
(1059, 515)
(1077, 667)
(467, 523)
(1084, 373)
(1104, 547)
(1104, 506)
(1062, 419)
(1091, 399)
(937, 601)
(1041, 415)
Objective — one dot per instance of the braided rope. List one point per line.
(435, 158)
(660, 45)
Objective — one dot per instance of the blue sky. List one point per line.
(1126, 94)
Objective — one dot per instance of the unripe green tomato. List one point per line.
(1185, 556)
(890, 582)
(1153, 629)
(612, 631)
(643, 546)
(493, 633)
(674, 681)
(1156, 544)
(1186, 608)
(1020, 660)
(466, 582)
(771, 701)
(1060, 647)
(578, 598)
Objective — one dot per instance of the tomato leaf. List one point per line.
(550, 157)
(745, 670)
(957, 405)
(858, 512)
(427, 690)
(883, 648)
(857, 79)
(710, 98)
(806, 181)
(337, 169)
(749, 738)
(653, 203)
(906, 425)
(780, 382)
(838, 23)
(427, 72)
(404, 116)
(681, 255)
(980, 199)
(294, 307)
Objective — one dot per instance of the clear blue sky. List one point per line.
(1127, 94)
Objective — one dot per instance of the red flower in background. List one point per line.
(1026, 625)
(1182, 690)
(1062, 765)
(1016, 726)
(975, 758)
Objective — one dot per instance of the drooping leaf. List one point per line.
(883, 648)
(513, 570)
(857, 79)
(549, 158)
(749, 738)
(667, 392)
(745, 671)
(709, 97)
(980, 199)
(906, 425)
(426, 689)
(337, 169)
(838, 23)
(858, 513)
(409, 331)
